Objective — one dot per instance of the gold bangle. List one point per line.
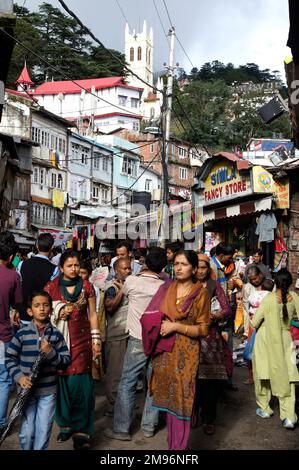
(96, 341)
(186, 330)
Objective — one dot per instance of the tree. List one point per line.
(61, 42)
(27, 34)
(205, 104)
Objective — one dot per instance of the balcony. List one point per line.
(39, 221)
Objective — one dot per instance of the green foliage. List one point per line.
(222, 103)
(230, 74)
(59, 40)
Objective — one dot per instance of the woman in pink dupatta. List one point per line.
(185, 306)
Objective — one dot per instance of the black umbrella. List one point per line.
(22, 398)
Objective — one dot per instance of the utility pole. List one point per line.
(166, 145)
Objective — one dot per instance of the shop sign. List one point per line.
(225, 183)
(282, 191)
(60, 236)
(263, 182)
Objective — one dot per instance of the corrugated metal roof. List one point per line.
(68, 86)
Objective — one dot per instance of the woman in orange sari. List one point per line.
(186, 307)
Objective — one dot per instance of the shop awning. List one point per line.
(249, 207)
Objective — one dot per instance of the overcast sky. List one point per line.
(237, 31)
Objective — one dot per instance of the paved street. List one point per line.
(238, 428)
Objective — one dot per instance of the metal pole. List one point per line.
(166, 145)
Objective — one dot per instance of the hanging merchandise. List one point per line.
(252, 238)
(281, 254)
(88, 237)
(92, 237)
(266, 226)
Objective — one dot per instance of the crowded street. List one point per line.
(149, 227)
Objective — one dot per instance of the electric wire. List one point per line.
(90, 33)
(122, 12)
(161, 22)
(64, 75)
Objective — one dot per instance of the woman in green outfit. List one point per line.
(76, 306)
(274, 361)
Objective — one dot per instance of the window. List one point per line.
(35, 175)
(52, 142)
(96, 161)
(84, 155)
(136, 126)
(104, 195)
(132, 54)
(183, 173)
(53, 180)
(134, 102)
(148, 185)
(42, 179)
(122, 100)
(75, 149)
(173, 150)
(152, 113)
(95, 193)
(60, 181)
(63, 146)
(73, 188)
(152, 148)
(36, 134)
(60, 144)
(105, 163)
(83, 191)
(129, 167)
(182, 152)
(139, 53)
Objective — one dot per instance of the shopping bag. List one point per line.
(249, 347)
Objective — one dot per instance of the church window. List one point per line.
(132, 54)
(139, 53)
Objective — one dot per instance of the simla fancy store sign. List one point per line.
(224, 183)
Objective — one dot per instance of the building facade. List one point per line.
(96, 104)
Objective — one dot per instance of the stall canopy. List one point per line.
(249, 207)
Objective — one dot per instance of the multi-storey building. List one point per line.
(95, 104)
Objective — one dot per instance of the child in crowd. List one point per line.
(255, 300)
(23, 350)
(256, 297)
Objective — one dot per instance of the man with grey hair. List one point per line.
(116, 306)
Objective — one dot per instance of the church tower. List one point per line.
(139, 52)
(139, 55)
(24, 82)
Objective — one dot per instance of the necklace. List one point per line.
(185, 294)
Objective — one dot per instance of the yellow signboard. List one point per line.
(224, 183)
(263, 182)
(282, 191)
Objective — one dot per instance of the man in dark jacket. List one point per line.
(36, 272)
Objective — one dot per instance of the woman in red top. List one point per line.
(75, 394)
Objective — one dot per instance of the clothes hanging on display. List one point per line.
(266, 227)
(268, 253)
(252, 238)
(83, 237)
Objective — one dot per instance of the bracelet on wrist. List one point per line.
(96, 341)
